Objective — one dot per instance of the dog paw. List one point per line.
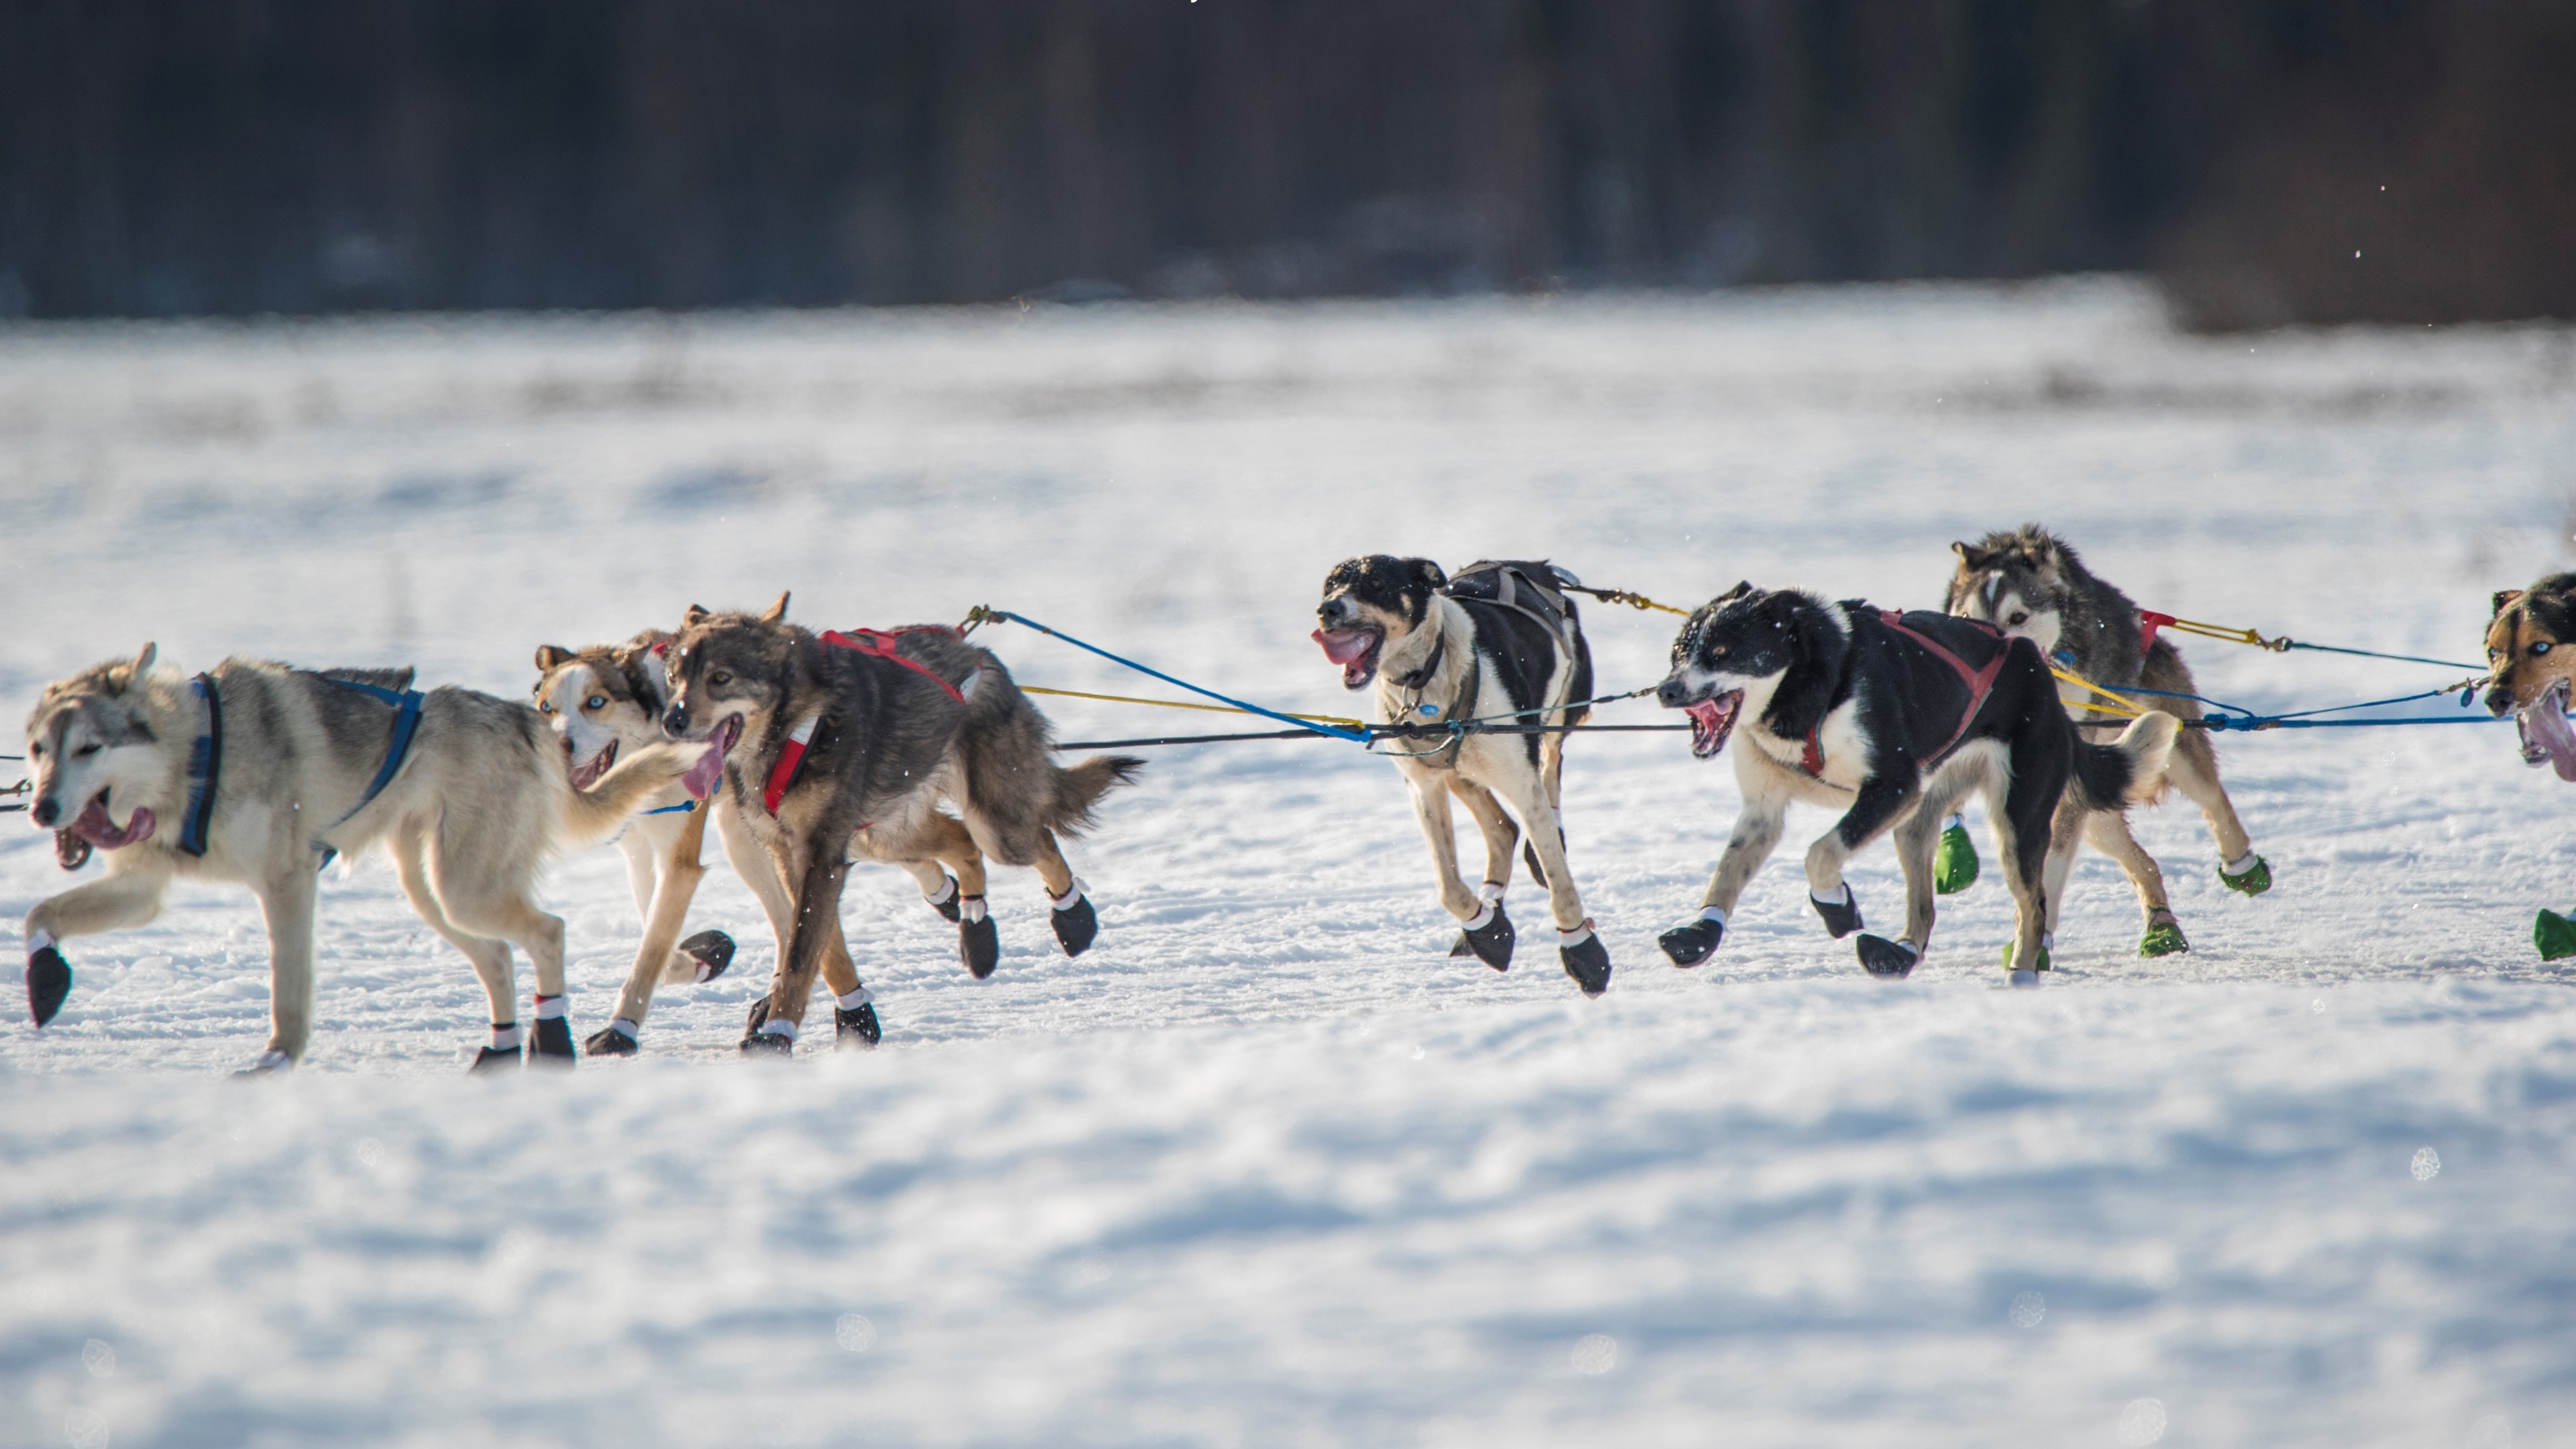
(1076, 925)
(1841, 917)
(768, 1044)
(550, 1044)
(2025, 980)
(2253, 880)
(495, 1059)
(855, 1027)
(1692, 942)
(2040, 965)
(1491, 942)
(2552, 934)
(979, 946)
(609, 1041)
(271, 1063)
(49, 982)
(1887, 960)
(2164, 938)
(1585, 958)
(712, 950)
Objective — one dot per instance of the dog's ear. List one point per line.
(1972, 558)
(551, 656)
(1742, 588)
(134, 673)
(2504, 599)
(1429, 575)
(775, 612)
(698, 614)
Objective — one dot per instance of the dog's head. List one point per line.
(2015, 581)
(1370, 603)
(600, 701)
(1732, 653)
(99, 765)
(728, 675)
(2531, 665)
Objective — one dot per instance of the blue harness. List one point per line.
(406, 705)
(204, 761)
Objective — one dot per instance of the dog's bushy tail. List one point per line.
(584, 816)
(2129, 770)
(1079, 788)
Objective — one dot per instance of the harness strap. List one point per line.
(1980, 682)
(2149, 621)
(881, 644)
(406, 705)
(1812, 759)
(205, 761)
(791, 761)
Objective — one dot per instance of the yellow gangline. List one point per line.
(1330, 719)
(2118, 705)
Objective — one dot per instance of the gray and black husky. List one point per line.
(1892, 718)
(2030, 584)
(1501, 643)
(829, 743)
(257, 773)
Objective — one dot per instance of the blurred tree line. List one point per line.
(227, 156)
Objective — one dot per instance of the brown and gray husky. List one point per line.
(257, 773)
(829, 742)
(2030, 584)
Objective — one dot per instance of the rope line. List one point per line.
(1331, 719)
(1622, 596)
(981, 614)
(2284, 643)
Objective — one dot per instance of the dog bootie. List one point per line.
(712, 950)
(617, 1039)
(49, 983)
(1887, 960)
(2163, 937)
(1076, 926)
(2249, 879)
(2045, 942)
(2555, 935)
(1585, 958)
(1692, 942)
(1488, 935)
(979, 945)
(1954, 865)
(759, 1038)
(1841, 917)
(550, 1045)
(946, 902)
(854, 1023)
(495, 1059)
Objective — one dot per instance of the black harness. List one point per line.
(1505, 585)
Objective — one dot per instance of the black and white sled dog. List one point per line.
(1892, 718)
(609, 699)
(258, 773)
(829, 743)
(1502, 643)
(2031, 584)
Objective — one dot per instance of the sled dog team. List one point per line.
(810, 750)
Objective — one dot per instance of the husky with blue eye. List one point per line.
(2031, 584)
(1892, 719)
(1499, 643)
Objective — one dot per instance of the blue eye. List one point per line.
(2540, 648)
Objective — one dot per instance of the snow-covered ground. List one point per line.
(1267, 1167)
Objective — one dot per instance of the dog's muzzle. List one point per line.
(675, 721)
(48, 812)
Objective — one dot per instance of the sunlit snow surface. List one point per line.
(1267, 1167)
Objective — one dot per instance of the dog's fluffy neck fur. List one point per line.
(1448, 629)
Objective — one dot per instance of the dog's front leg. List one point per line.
(818, 916)
(1440, 832)
(128, 895)
(1878, 804)
(286, 900)
(1755, 835)
(655, 958)
(1493, 822)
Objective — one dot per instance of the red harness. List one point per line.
(2149, 621)
(878, 643)
(1980, 682)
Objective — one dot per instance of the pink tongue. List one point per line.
(701, 779)
(94, 827)
(1343, 645)
(2545, 725)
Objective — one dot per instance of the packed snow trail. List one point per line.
(1266, 1166)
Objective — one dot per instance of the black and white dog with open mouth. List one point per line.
(1500, 643)
(1892, 718)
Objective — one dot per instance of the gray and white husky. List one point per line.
(257, 773)
(825, 743)
(2031, 584)
(607, 700)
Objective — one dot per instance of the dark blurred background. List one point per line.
(163, 157)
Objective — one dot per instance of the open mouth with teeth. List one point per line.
(2546, 738)
(93, 825)
(586, 775)
(701, 779)
(1356, 650)
(1711, 721)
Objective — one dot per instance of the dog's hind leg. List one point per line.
(958, 891)
(2193, 767)
(1578, 946)
(2021, 812)
(483, 887)
(490, 958)
(2108, 832)
(1076, 924)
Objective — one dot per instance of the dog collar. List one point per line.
(791, 762)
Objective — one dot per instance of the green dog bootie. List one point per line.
(2253, 880)
(2555, 935)
(2163, 937)
(2043, 955)
(1954, 866)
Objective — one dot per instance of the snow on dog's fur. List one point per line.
(479, 802)
(1851, 707)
